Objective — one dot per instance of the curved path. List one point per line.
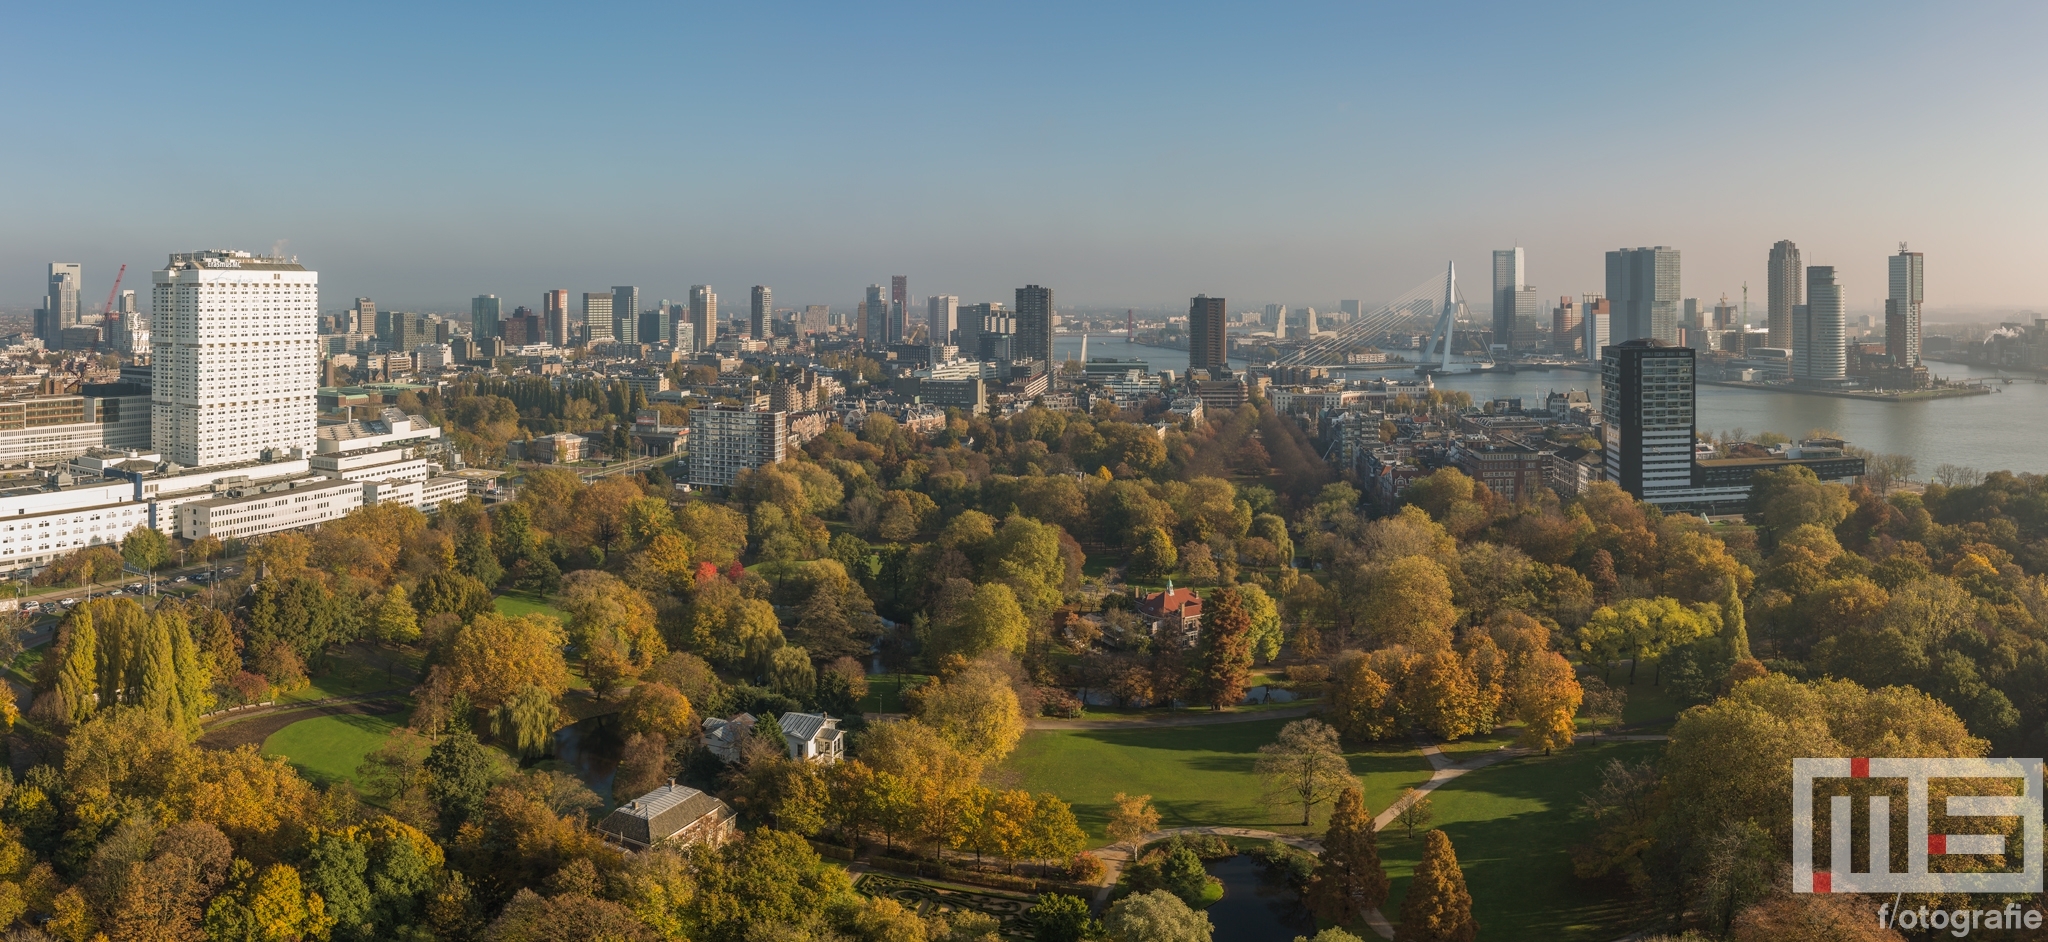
(1115, 857)
(256, 726)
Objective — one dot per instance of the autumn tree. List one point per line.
(976, 710)
(1437, 908)
(1545, 695)
(1133, 818)
(396, 622)
(1226, 655)
(1408, 602)
(1349, 880)
(1306, 764)
(1361, 701)
(272, 905)
(496, 655)
(1640, 628)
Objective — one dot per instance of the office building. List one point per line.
(555, 314)
(981, 328)
(1643, 286)
(362, 316)
(1207, 348)
(1820, 349)
(1596, 320)
(1034, 325)
(484, 314)
(762, 312)
(899, 314)
(1507, 288)
(1646, 402)
(1787, 288)
(1276, 318)
(817, 319)
(597, 317)
(237, 365)
(1902, 307)
(728, 439)
(625, 314)
(703, 317)
(1564, 325)
(942, 311)
(61, 300)
(874, 320)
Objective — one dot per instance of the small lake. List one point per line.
(1254, 908)
(590, 749)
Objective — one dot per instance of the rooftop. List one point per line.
(231, 259)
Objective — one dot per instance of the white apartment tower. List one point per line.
(236, 358)
(1820, 351)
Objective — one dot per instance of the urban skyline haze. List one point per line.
(421, 180)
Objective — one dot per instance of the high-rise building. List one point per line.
(1787, 288)
(703, 317)
(1276, 317)
(942, 312)
(1034, 325)
(1207, 349)
(1352, 311)
(625, 314)
(555, 315)
(1820, 331)
(237, 362)
(1725, 316)
(728, 439)
(1564, 325)
(597, 317)
(1642, 283)
(1596, 322)
(654, 326)
(678, 325)
(817, 319)
(899, 308)
(60, 303)
(763, 310)
(1507, 286)
(363, 316)
(978, 324)
(484, 313)
(874, 324)
(1646, 404)
(1902, 307)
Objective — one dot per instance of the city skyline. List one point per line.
(451, 200)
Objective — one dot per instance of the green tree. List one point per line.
(1157, 916)
(528, 720)
(396, 622)
(145, 548)
(1154, 555)
(1640, 628)
(1437, 908)
(1350, 879)
(459, 770)
(1226, 655)
(988, 619)
(270, 906)
(76, 683)
(1264, 614)
(1058, 917)
(766, 878)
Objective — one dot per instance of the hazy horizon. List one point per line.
(1125, 156)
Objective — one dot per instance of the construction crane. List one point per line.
(116, 292)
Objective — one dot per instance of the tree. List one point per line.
(1306, 764)
(1058, 917)
(1445, 698)
(1133, 818)
(1640, 628)
(494, 656)
(606, 668)
(459, 770)
(1546, 696)
(655, 707)
(1350, 878)
(1437, 908)
(1264, 614)
(1157, 916)
(273, 906)
(988, 619)
(1408, 602)
(1154, 555)
(76, 683)
(1226, 650)
(1416, 811)
(762, 879)
(396, 622)
(528, 720)
(976, 710)
(1362, 702)
(145, 548)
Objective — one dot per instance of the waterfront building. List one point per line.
(1207, 347)
(1787, 289)
(1820, 351)
(1902, 307)
(1595, 324)
(1564, 325)
(1507, 287)
(1034, 325)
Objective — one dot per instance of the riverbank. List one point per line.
(1867, 395)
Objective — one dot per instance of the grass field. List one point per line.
(361, 668)
(1512, 827)
(328, 749)
(890, 690)
(1196, 775)
(526, 603)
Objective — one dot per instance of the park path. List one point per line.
(1190, 718)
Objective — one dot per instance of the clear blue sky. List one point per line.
(1123, 153)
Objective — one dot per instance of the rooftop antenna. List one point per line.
(1745, 305)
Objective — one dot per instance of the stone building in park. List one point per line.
(673, 813)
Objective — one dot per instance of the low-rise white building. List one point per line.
(259, 509)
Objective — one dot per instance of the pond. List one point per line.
(1259, 694)
(590, 749)
(1254, 908)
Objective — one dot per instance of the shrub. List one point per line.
(1307, 673)
(1060, 702)
(1284, 861)
(1086, 868)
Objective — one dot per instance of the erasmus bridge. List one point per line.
(1435, 302)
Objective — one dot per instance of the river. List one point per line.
(1990, 433)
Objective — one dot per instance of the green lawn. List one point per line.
(1512, 827)
(358, 669)
(890, 691)
(526, 603)
(1196, 775)
(327, 749)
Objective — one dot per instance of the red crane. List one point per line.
(116, 292)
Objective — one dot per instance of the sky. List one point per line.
(1126, 154)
